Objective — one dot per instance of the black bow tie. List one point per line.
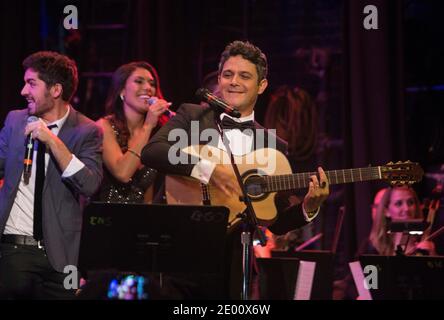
(228, 123)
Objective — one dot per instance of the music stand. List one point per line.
(153, 238)
(277, 275)
(406, 277)
(277, 278)
(407, 227)
(412, 226)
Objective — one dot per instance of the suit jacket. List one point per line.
(155, 155)
(63, 198)
(160, 145)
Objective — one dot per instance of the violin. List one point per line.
(430, 208)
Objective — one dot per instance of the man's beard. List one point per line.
(47, 105)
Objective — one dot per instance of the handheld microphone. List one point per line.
(29, 152)
(216, 102)
(153, 100)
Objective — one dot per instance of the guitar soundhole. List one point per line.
(254, 186)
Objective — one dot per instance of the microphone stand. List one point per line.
(248, 217)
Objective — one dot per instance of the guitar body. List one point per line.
(187, 190)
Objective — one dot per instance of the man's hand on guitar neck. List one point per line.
(318, 191)
(224, 179)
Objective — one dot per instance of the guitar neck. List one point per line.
(301, 180)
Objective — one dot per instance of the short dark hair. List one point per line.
(249, 52)
(54, 68)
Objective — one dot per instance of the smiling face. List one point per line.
(139, 87)
(402, 204)
(239, 84)
(40, 100)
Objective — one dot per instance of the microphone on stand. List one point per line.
(216, 102)
(29, 152)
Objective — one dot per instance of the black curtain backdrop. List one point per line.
(19, 34)
(167, 34)
(374, 104)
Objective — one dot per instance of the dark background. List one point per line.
(379, 93)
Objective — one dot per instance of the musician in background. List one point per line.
(135, 110)
(376, 201)
(242, 77)
(398, 203)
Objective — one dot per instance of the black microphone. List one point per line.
(216, 102)
(29, 152)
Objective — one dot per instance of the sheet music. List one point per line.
(358, 278)
(304, 281)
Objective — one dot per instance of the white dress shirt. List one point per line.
(240, 144)
(21, 218)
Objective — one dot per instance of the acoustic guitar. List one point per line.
(267, 171)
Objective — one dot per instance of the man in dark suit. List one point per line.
(242, 77)
(41, 217)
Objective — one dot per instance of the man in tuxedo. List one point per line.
(41, 216)
(242, 76)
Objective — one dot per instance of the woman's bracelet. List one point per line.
(134, 153)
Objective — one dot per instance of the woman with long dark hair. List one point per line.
(135, 109)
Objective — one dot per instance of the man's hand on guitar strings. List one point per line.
(318, 191)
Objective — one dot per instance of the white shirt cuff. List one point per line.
(74, 166)
(203, 170)
(307, 218)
